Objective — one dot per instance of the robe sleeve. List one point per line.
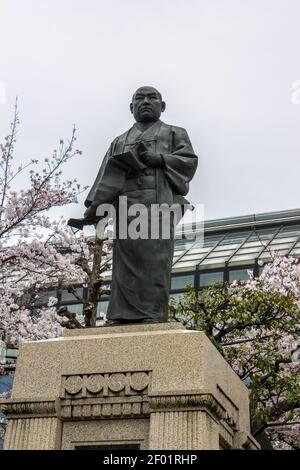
(91, 194)
(180, 165)
(109, 182)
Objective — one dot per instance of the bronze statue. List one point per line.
(151, 163)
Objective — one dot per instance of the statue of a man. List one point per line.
(164, 164)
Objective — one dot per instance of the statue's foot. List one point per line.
(149, 321)
(113, 323)
(124, 322)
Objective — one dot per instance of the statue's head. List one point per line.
(147, 104)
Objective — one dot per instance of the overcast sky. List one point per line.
(224, 67)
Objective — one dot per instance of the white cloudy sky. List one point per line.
(225, 68)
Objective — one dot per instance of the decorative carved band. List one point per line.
(107, 408)
(187, 401)
(106, 384)
(18, 409)
(105, 395)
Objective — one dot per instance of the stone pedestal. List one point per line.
(145, 386)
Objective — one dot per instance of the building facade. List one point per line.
(227, 250)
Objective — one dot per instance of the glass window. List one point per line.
(102, 307)
(43, 297)
(6, 382)
(180, 282)
(282, 239)
(211, 240)
(238, 275)
(198, 251)
(243, 259)
(235, 238)
(12, 353)
(284, 247)
(183, 244)
(207, 279)
(107, 274)
(265, 257)
(256, 244)
(293, 230)
(265, 234)
(214, 262)
(68, 297)
(186, 265)
(179, 252)
(296, 250)
(220, 252)
(76, 308)
(176, 296)
(250, 250)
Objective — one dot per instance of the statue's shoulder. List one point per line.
(175, 129)
(121, 136)
(118, 142)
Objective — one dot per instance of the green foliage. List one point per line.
(257, 332)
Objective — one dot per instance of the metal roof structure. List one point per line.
(239, 241)
(221, 250)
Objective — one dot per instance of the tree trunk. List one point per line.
(90, 308)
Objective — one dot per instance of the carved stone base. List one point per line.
(154, 386)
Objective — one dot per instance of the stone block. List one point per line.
(155, 386)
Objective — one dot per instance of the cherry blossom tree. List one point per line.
(255, 325)
(37, 252)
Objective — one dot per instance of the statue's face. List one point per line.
(147, 105)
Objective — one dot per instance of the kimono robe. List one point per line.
(141, 274)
